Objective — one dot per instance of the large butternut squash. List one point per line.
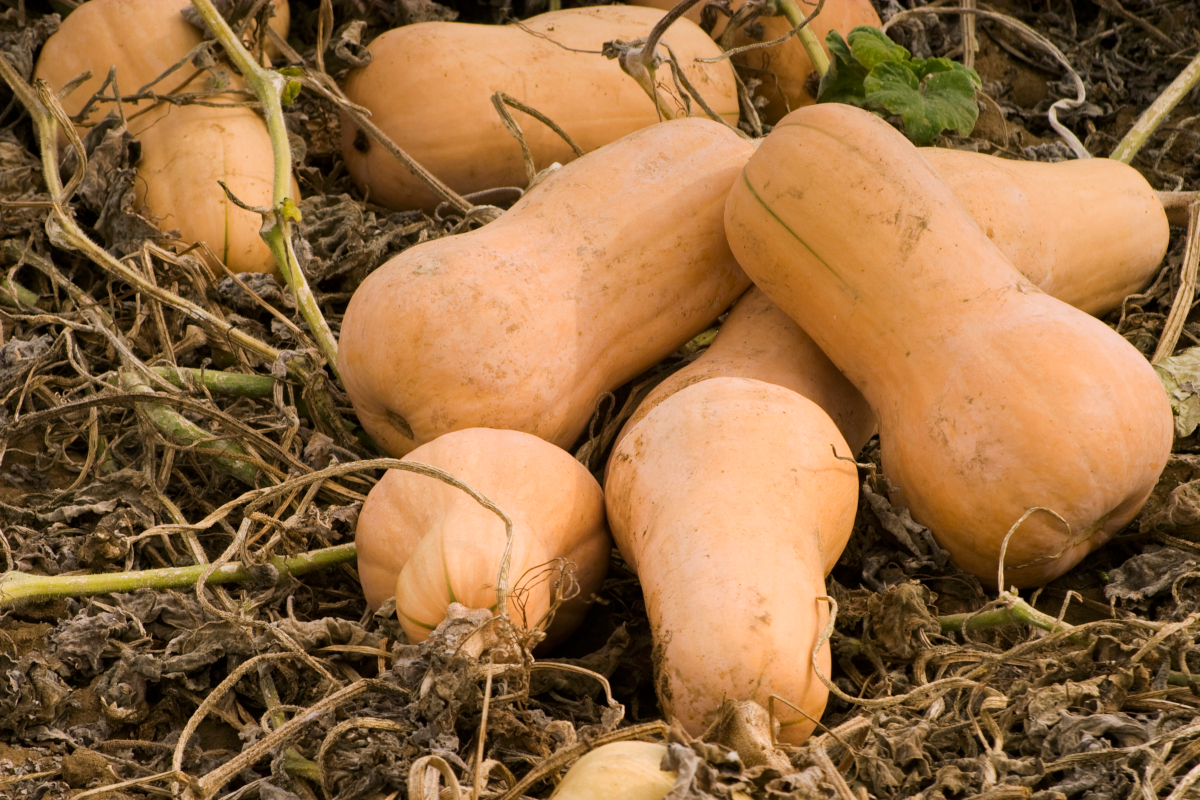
(728, 501)
(1089, 232)
(431, 544)
(599, 272)
(443, 116)
(993, 397)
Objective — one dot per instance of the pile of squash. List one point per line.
(941, 299)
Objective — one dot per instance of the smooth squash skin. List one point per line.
(430, 544)
(1089, 232)
(602, 270)
(729, 503)
(142, 39)
(993, 397)
(621, 771)
(184, 154)
(759, 341)
(444, 116)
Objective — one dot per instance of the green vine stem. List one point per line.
(270, 87)
(14, 295)
(20, 587)
(227, 455)
(1157, 113)
(1016, 612)
(816, 53)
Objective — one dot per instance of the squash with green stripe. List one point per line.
(994, 399)
(431, 544)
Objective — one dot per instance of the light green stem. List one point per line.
(269, 86)
(1017, 612)
(17, 587)
(182, 431)
(816, 53)
(1157, 113)
(14, 295)
(229, 384)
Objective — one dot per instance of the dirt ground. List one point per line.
(322, 698)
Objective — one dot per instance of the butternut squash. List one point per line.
(1089, 232)
(430, 544)
(141, 38)
(184, 153)
(759, 341)
(621, 771)
(444, 117)
(993, 397)
(784, 68)
(729, 503)
(599, 272)
(185, 149)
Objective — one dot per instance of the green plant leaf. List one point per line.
(929, 95)
(843, 83)
(871, 47)
(941, 100)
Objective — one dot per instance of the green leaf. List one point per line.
(929, 95)
(843, 83)
(289, 211)
(290, 92)
(943, 100)
(872, 47)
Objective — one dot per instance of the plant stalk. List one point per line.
(1015, 613)
(269, 86)
(18, 587)
(185, 433)
(816, 53)
(1157, 113)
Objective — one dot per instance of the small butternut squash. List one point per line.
(759, 341)
(598, 273)
(728, 501)
(993, 397)
(185, 149)
(445, 120)
(621, 771)
(430, 544)
(184, 153)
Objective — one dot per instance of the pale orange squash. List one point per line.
(729, 502)
(598, 273)
(430, 544)
(444, 116)
(993, 397)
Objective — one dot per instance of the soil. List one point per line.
(97, 692)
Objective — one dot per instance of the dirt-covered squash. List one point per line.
(729, 502)
(598, 273)
(444, 118)
(430, 544)
(993, 397)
